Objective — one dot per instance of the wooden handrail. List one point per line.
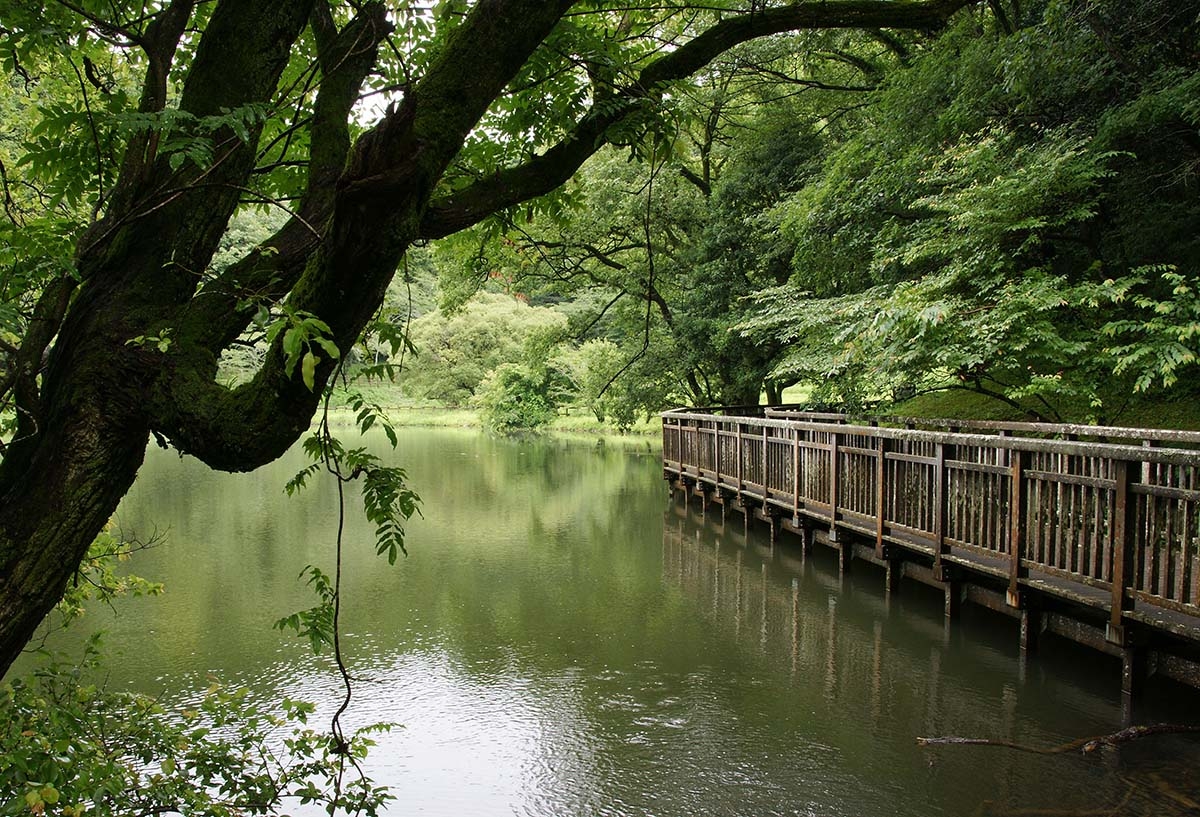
(1117, 450)
(1115, 517)
(1068, 430)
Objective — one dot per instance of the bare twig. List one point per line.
(1085, 745)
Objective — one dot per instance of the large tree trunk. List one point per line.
(84, 421)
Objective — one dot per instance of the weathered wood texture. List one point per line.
(1115, 517)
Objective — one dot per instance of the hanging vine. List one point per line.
(388, 502)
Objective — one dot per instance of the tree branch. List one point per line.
(704, 187)
(159, 43)
(1085, 745)
(384, 184)
(107, 26)
(544, 173)
(224, 308)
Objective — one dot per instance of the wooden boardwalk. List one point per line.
(1089, 532)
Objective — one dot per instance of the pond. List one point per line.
(564, 639)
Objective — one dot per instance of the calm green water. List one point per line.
(564, 640)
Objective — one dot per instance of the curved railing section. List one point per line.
(1114, 510)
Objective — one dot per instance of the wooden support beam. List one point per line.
(1133, 670)
(953, 591)
(893, 571)
(1123, 549)
(1017, 500)
(834, 475)
(1031, 624)
(806, 538)
(773, 521)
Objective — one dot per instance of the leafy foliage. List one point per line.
(303, 334)
(992, 224)
(98, 580)
(514, 397)
(457, 350)
(315, 623)
(73, 748)
(1160, 341)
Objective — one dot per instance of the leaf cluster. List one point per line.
(71, 748)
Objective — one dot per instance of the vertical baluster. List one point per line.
(738, 447)
(1095, 570)
(1154, 534)
(1187, 533)
(939, 508)
(1171, 505)
(1071, 528)
(717, 452)
(795, 476)
(766, 480)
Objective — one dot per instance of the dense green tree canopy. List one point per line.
(1016, 213)
(1009, 207)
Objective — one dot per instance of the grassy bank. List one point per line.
(406, 412)
(1131, 410)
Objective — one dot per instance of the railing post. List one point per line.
(1017, 500)
(939, 511)
(739, 459)
(880, 494)
(795, 475)
(766, 478)
(1124, 550)
(717, 451)
(833, 487)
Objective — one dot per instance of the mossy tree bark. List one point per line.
(88, 399)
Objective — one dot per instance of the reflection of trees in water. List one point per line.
(235, 542)
(876, 669)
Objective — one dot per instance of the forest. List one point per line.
(1008, 208)
(219, 218)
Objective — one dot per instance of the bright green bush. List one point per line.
(516, 398)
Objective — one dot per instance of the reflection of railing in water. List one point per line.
(866, 666)
(852, 653)
(1110, 529)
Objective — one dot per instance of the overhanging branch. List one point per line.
(544, 173)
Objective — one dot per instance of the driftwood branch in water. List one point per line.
(1082, 744)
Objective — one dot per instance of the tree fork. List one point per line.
(101, 396)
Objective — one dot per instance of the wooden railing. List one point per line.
(1121, 518)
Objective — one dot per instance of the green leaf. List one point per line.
(330, 347)
(308, 370)
(293, 342)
